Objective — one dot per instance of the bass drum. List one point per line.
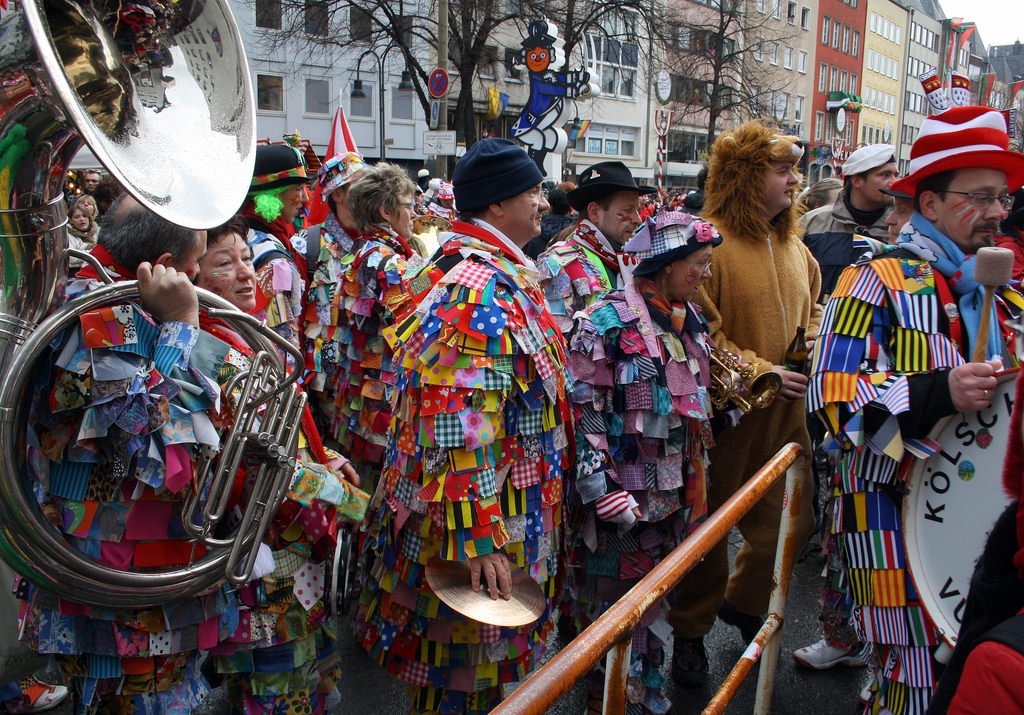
(955, 497)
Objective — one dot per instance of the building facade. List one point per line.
(838, 60)
(923, 39)
(885, 43)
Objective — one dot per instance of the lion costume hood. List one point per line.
(734, 191)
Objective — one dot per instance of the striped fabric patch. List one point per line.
(897, 397)
(852, 317)
(943, 352)
(920, 628)
(887, 587)
(915, 667)
(917, 310)
(880, 625)
(910, 350)
(874, 549)
(890, 272)
(866, 392)
(840, 353)
(838, 386)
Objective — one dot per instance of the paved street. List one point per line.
(368, 690)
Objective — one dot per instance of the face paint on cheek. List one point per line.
(966, 212)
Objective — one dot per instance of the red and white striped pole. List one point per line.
(662, 121)
(661, 165)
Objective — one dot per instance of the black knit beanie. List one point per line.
(493, 170)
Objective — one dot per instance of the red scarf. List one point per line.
(471, 229)
(392, 240)
(586, 235)
(115, 269)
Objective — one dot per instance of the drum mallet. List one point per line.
(993, 267)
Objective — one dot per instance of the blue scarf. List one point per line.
(921, 238)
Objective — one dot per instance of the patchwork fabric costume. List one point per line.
(354, 383)
(120, 405)
(641, 406)
(280, 285)
(578, 271)
(282, 658)
(474, 465)
(894, 325)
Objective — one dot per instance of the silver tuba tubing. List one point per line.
(31, 544)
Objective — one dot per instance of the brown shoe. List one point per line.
(689, 662)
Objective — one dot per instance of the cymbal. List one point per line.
(450, 581)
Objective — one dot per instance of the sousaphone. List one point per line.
(160, 92)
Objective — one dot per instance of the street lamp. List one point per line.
(359, 93)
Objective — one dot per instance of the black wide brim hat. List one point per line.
(602, 180)
(277, 165)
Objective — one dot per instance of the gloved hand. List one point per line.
(618, 508)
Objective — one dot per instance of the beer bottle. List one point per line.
(796, 353)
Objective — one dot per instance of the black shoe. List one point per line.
(689, 662)
(748, 625)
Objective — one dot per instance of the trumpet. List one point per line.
(738, 385)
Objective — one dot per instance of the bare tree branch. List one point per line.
(323, 30)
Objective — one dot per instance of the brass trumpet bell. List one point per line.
(734, 384)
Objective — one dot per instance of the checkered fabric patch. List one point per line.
(415, 672)
(531, 421)
(448, 431)
(474, 276)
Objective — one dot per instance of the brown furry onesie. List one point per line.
(764, 284)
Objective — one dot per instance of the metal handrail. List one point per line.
(612, 632)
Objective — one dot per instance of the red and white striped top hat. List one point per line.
(962, 137)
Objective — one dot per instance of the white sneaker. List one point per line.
(822, 656)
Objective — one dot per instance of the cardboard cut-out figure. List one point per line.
(539, 124)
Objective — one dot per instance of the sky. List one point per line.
(1000, 22)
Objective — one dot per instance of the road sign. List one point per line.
(435, 112)
(439, 143)
(438, 83)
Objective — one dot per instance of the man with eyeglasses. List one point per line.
(477, 446)
(891, 360)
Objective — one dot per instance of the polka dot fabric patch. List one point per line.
(309, 584)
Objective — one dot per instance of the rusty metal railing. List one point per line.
(612, 632)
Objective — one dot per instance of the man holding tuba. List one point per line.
(763, 287)
(120, 401)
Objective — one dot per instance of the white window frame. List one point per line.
(284, 92)
(305, 97)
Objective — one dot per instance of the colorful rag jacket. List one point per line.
(435, 209)
(578, 271)
(120, 406)
(282, 657)
(474, 464)
(641, 409)
(354, 382)
(280, 286)
(879, 366)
